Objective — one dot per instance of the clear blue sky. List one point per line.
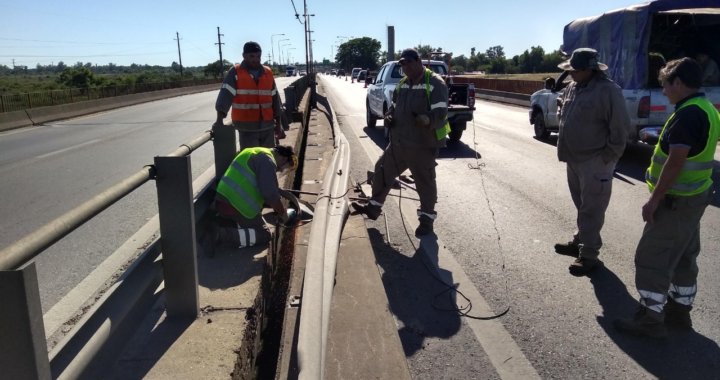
(133, 31)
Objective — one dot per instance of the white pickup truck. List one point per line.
(669, 30)
(461, 104)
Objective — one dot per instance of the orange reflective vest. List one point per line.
(253, 102)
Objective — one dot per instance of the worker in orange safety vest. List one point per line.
(250, 89)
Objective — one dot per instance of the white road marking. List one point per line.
(186, 111)
(68, 148)
(506, 356)
(74, 300)
(19, 130)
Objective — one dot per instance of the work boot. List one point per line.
(206, 244)
(584, 265)
(642, 324)
(372, 212)
(425, 227)
(568, 249)
(677, 314)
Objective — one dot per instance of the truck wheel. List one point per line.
(540, 131)
(455, 134)
(369, 117)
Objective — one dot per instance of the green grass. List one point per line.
(12, 84)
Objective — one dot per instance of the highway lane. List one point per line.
(48, 170)
(562, 323)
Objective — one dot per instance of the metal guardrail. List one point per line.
(295, 91)
(331, 209)
(20, 102)
(99, 338)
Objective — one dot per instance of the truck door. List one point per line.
(660, 108)
(552, 119)
(375, 92)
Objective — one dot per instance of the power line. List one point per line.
(83, 56)
(297, 15)
(92, 43)
(206, 53)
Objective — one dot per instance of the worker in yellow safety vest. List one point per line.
(250, 90)
(680, 190)
(248, 183)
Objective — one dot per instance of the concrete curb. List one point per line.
(36, 116)
(12, 120)
(503, 97)
(363, 342)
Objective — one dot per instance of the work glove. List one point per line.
(422, 121)
(289, 215)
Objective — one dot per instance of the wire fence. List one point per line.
(20, 102)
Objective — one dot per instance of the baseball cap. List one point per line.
(251, 47)
(409, 54)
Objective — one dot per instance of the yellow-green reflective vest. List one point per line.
(239, 184)
(439, 133)
(695, 175)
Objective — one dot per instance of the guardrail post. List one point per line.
(29, 101)
(2, 103)
(71, 97)
(224, 148)
(291, 103)
(52, 98)
(177, 235)
(23, 351)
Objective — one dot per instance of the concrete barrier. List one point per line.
(503, 97)
(66, 111)
(12, 120)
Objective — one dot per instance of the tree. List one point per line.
(424, 50)
(176, 68)
(60, 67)
(215, 70)
(495, 52)
(461, 61)
(78, 78)
(360, 52)
(472, 52)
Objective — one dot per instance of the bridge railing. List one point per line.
(100, 336)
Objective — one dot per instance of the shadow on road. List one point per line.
(635, 161)
(454, 150)
(410, 289)
(683, 355)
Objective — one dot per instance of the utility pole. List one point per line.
(307, 52)
(179, 55)
(219, 44)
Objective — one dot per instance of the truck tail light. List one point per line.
(644, 107)
(471, 100)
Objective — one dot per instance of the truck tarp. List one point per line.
(627, 63)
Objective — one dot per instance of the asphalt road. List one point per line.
(516, 206)
(48, 170)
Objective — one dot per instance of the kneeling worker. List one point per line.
(248, 182)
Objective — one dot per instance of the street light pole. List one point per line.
(272, 47)
(283, 53)
(287, 54)
(280, 51)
